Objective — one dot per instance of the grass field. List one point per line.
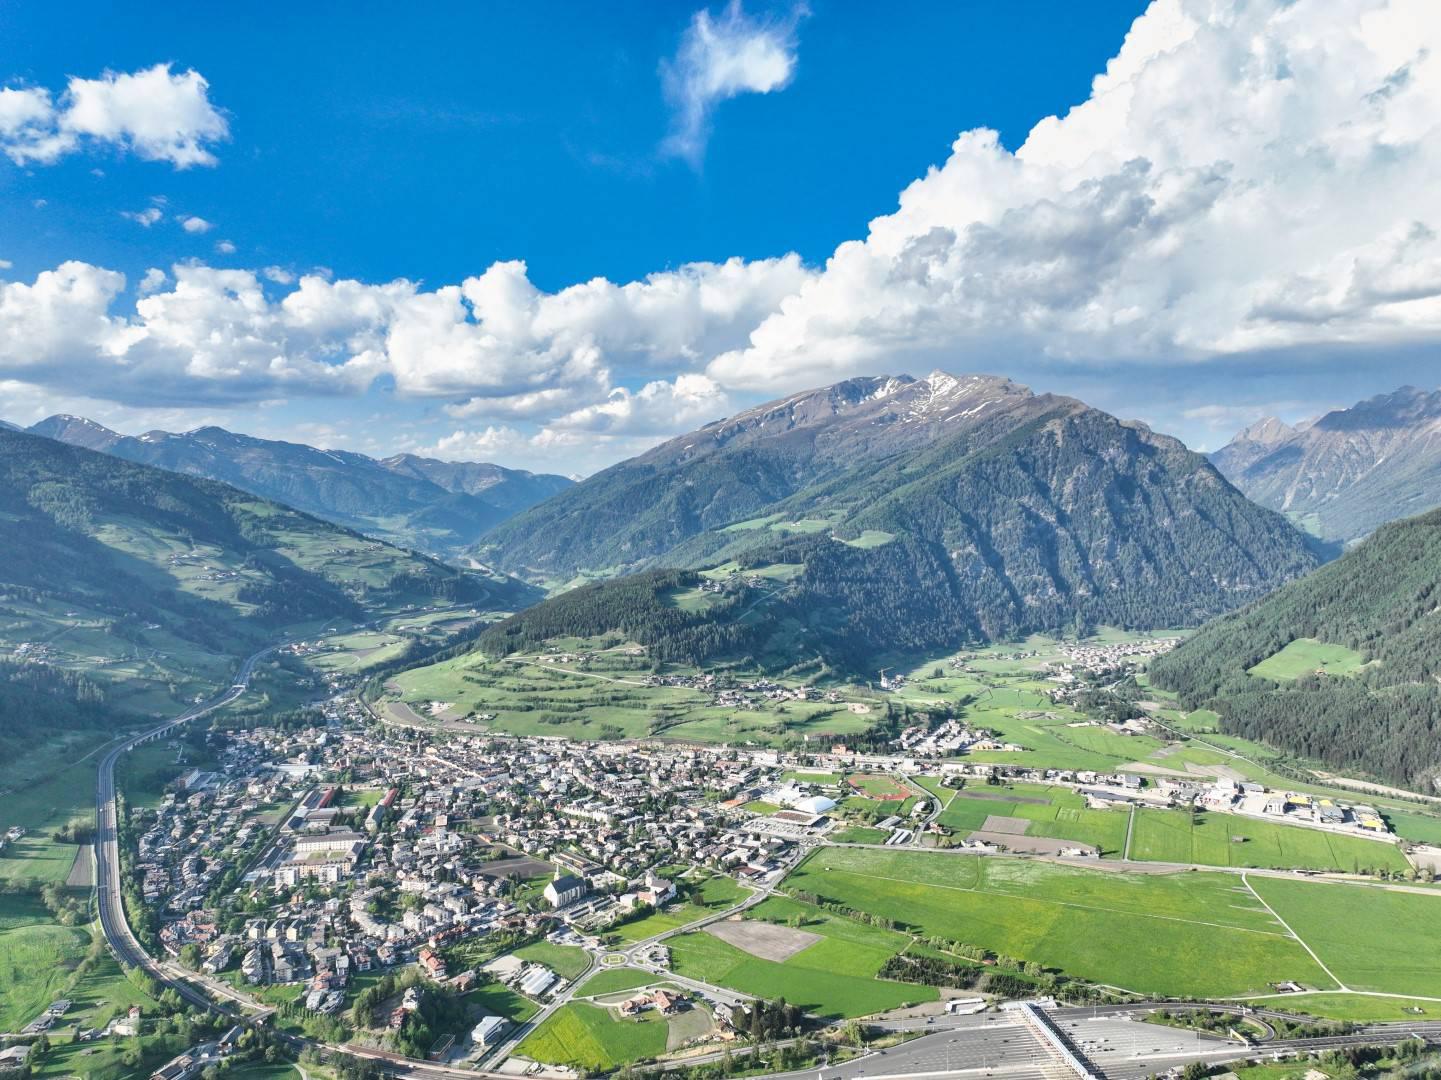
(497, 999)
(1192, 934)
(567, 961)
(1305, 655)
(613, 980)
(835, 976)
(589, 1037)
(1360, 1008)
(36, 958)
(1373, 939)
(859, 834)
(1232, 840)
(1055, 811)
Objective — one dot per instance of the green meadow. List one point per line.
(1231, 840)
(835, 976)
(1306, 655)
(1191, 934)
(590, 1037)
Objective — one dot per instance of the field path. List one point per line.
(1319, 962)
(572, 671)
(1130, 828)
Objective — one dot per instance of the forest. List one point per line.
(1380, 599)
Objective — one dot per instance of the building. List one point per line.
(488, 1031)
(816, 804)
(565, 889)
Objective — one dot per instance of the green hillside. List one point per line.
(128, 590)
(1378, 711)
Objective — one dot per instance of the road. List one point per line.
(113, 922)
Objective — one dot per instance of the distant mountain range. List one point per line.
(1383, 715)
(435, 506)
(912, 514)
(1346, 473)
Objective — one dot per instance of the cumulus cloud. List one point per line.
(494, 344)
(225, 247)
(721, 58)
(657, 408)
(145, 218)
(156, 114)
(1245, 179)
(193, 224)
(1237, 180)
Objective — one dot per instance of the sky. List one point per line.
(551, 235)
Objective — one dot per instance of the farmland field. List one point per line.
(1305, 655)
(1054, 811)
(605, 696)
(833, 977)
(1186, 934)
(1372, 939)
(590, 1037)
(1232, 840)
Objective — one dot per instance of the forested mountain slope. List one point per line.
(635, 512)
(1349, 471)
(436, 506)
(147, 585)
(1382, 599)
(1031, 513)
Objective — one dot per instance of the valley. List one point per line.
(776, 793)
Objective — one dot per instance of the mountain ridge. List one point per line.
(914, 515)
(1348, 471)
(422, 503)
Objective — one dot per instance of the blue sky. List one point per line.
(368, 144)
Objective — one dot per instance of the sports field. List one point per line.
(1232, 840)
(1190, 934)
(1053, 811)
(835, 976)
(590, 1037)
(1306, 655)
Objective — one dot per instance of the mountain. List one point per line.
(146, 585)
(436, 506)
(901, 515)
(1382, 601)
(1347, 472)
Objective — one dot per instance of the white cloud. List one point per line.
(657, 408)
(156, 114)
(147, 217)
(193, 224)
(225, 247)
(1244, 176)
(721, 58)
